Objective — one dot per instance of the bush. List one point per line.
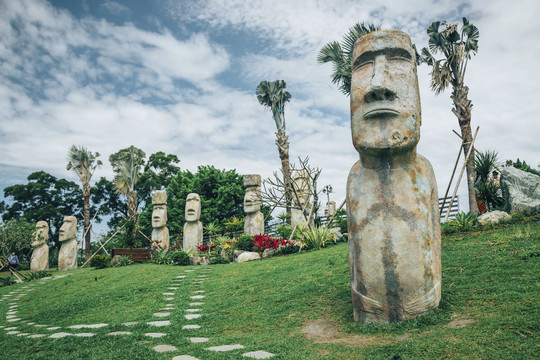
(218, 260)
(99, 261)
(180, 258)
(5, 281)
(123, 261)
(162, 258)
(316, 237)
(286, 250)
(263, 242)
(245, 242)
(33, 275)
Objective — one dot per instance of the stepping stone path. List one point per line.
(192, 313)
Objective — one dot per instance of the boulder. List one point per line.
(268, 252)
(247, 256)
(115, 260)
(493, 217)
(198, 260)
(521, 190)
(236, 254)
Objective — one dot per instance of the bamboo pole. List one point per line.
(461, 174)
(106, 252)
(333, 216)
(275, 206)
(451, 178)
(113, 235)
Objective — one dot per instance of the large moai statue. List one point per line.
(301, 185)
(193, 229)
(67, 256)
(392, 206)
(254, 221)
(160, 233)
(40, 254)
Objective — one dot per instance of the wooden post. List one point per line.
(451, 177)
(94, 254)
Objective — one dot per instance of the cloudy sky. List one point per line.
(180, 77)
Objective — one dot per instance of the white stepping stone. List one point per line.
(192, 310)
(162, 314)
(10, 328)
(23, 334)
(59, 276)
(11, 316)
(114, 333)
(35, 336)
(59, 335)
(84, 334)
(258, 354)
(197, 297)
(226, 347)
(92, 326)
(167, 308)
(199, 291)
(192, 316)
(39, 325)
(130, 323)
(169, 298)
(203, 276)
(13, 332)
(172, 288)
(53, 328)
(187, 327)
(198, 339)
(181, 276)
(159, 323)
(169, 304)
(30, 323)
(164, 348)
(189, 270)
(196, 303)
(155, 335)
(168, 293)
(184, 357)
(13, 320)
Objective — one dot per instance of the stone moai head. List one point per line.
(41, 234)
(330, 208)
(385, 99)
(159, 215)
(301, 184)
(252, 199)
(68, 229)
(193, 207)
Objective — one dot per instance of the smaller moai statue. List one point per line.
(301, 185)
(67, 256)
(160, 233)
(330, 209)
(254, 221)
(193, 229)
(40, 254)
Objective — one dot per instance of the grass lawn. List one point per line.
(296, 306)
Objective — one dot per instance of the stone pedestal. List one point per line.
(254, 224)
(67, 256)
(193, 235)
(160, 238)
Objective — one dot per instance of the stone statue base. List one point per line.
(193, 235)
(160, 238)
(254, 224)
(67, 256)
(40, 258)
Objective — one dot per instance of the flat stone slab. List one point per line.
(187, 327)
(197, 297)
(258, 354)
(167, 308)
(155, 335)
(164, 348)
(53, 328)
(193, 310)
(159, 323)
(13, 320)
(13, 332)
(168, 293)
(189, 270)
(23, 334)
(172, 288)
(10, 328)
(92, 326)
(226, 347)
(169, 304)
(35, 336)
(199, 291)
(169, 298)
(130, 323)
(59, 335)
(39, 325)
(198, 339)
(196, 303)
(181, 276)
(84, 334)
(192, 316)
(162, 314)
(119, 333)
(184, 357)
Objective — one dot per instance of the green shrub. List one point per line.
(123, 261)
(99, 261)
(218, 260)
(316, 237)
(162, 258)
(5, 281)
(285, 250)
(33, 275)
(180, 258)
(245, 242)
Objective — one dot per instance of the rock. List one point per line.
(248, 256)
(160, 233)
(521, 190)
(236, 254)
(493, 217)
(268, 252)
(198, 260)
(67, 256)
(40, 255)
(193, 229)
(115, 260)
(254, 220)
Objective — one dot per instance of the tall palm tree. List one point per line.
(457, 48)
(84, 163)
(127, 164)
(272, 94)
(341, 55)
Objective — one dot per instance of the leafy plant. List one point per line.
(212, 228)
(218, 260)
(316, 237)
(180, 258)
(6, 281)
(15, 235)
(33, 275)
(123, 261)
(234, 224)
(283, 217)
(162, 257)
(245, 242)
(263, 242)
(99, 261)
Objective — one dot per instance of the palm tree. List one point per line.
(341, 55)
(84, 163)
(457, 48)
(272, 94)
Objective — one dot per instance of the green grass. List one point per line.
(490, 281)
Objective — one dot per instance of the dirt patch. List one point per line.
(322, 332)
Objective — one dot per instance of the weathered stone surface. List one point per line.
(392, 199)
(160, 233)
(330, 208)
(252, 180)
(198, 339)
(198, 260)
(40, 253)
(254, 223)
(160, 238)
(247, 256)
(67, 256)
(493, 217)
(521, 190)
(254, 220)
(114, 333)
(237, 253)
(188, 327)
(226, 347)
(59, 335)
(91, 326)
(184, 357)
(115, 260)
(164, 348)
(268, 253)
(159, 197)
(193, 228)
(155, 335)
(258, 354)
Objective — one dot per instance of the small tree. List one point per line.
(15, 236)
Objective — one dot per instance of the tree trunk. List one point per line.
(462, 110)
(282, 143)
(87, 252)
(132, 211)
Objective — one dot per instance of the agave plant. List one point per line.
(316, 237)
